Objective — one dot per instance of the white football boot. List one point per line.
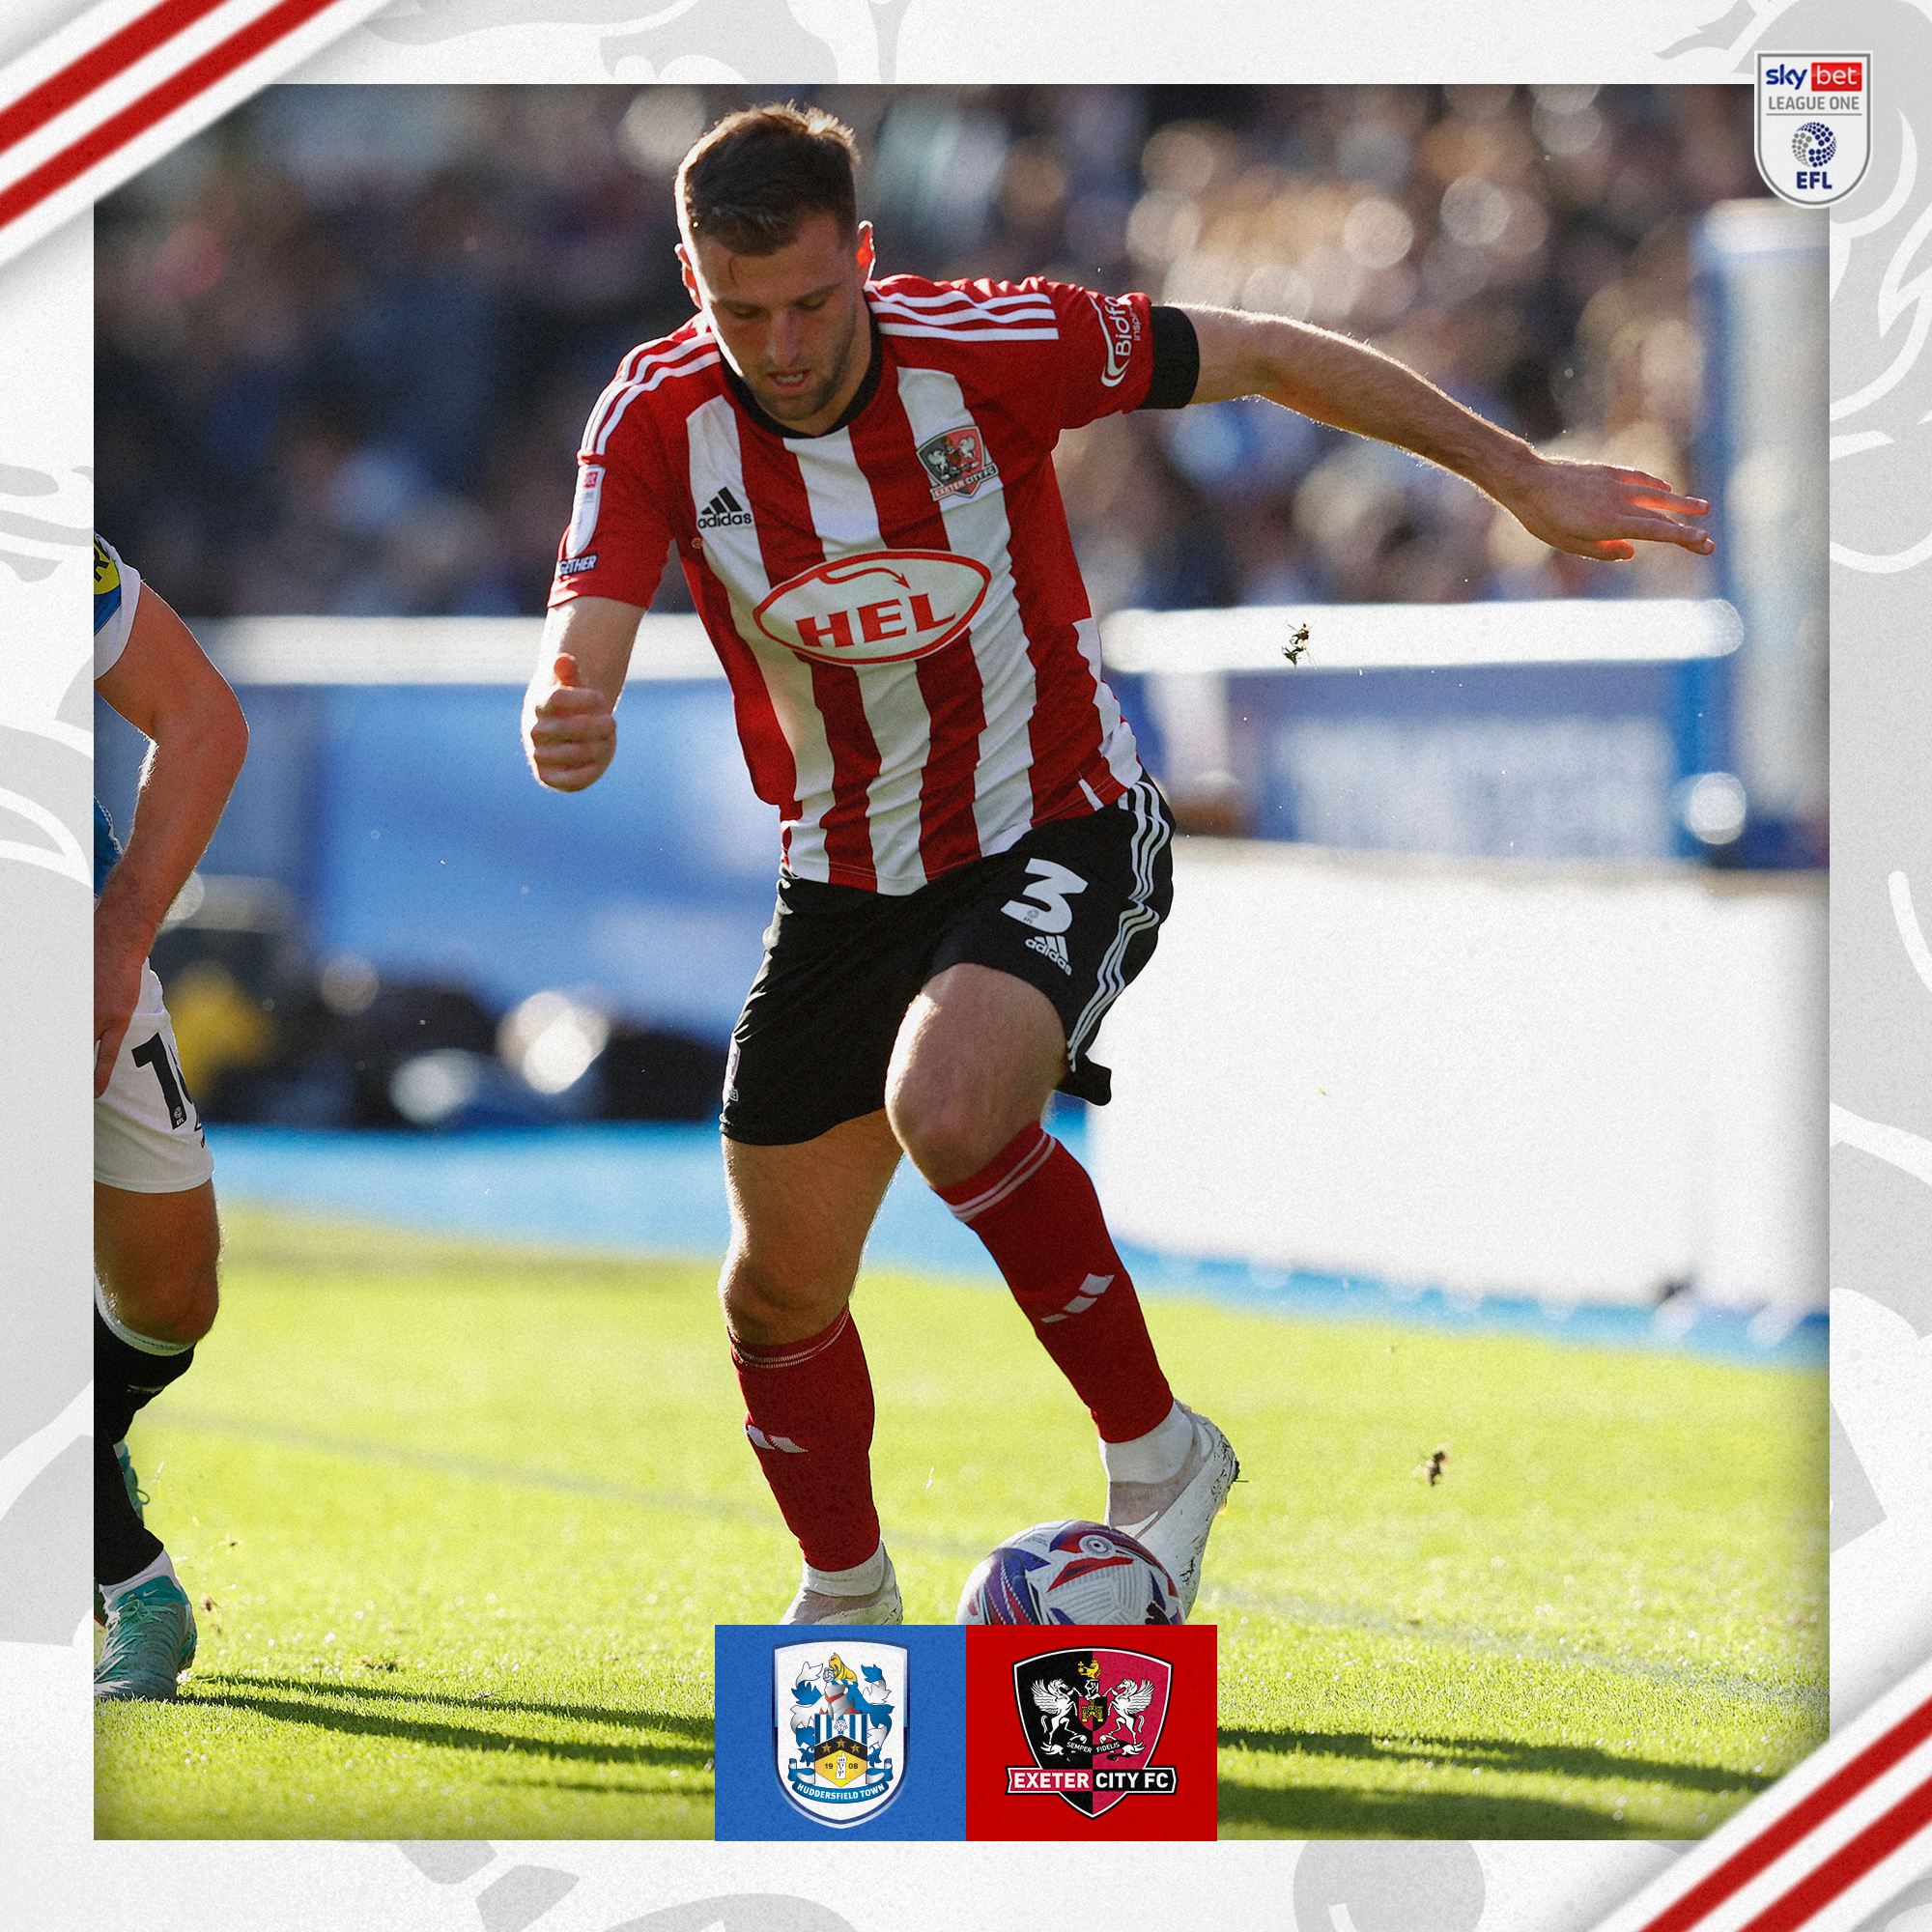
(1173, 1517)
(820, 1607)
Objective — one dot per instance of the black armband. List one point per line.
(1176, 359)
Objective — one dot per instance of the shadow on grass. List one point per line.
(1339, 1812)
(295, 1700)
(1498, 1754)
(1349, 1811)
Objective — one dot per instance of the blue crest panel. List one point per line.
(837, 1731)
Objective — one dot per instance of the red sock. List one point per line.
(808, 1414)
(1036, 1211)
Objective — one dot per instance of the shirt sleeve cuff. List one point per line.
(1176, 359)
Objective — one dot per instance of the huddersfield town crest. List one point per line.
(1813, 125)
(1091, 1718)
(840, 1727)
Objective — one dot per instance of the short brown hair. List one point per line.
(754, 177)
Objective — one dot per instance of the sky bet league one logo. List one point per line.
(841, 1730)
(1813, 123)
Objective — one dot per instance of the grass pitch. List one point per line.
(459, 1522)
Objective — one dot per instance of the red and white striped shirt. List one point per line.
(914, 668)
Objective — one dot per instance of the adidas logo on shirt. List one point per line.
(724, 512)
(1054, 946)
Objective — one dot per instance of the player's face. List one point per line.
(792, 322)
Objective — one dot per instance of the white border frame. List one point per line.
(1882, 1026)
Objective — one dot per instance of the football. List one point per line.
(1069, 1572)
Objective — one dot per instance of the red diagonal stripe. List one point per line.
(1805, 1817)
(118, 130)
(1849, 1864)
(97, 65)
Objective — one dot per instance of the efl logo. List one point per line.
(880, 607)
(1109, 1733)
(1812, 122)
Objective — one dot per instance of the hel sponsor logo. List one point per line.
(1120, 327)
(584, 510)
(880, 607)
(571, 565)
(1092, 1720)
(724, 512)
(956, 461)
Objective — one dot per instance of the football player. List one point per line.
(155, 1237)
(856, 474)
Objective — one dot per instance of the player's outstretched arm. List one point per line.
(570, 722)
(164, 686)
(1589, 509)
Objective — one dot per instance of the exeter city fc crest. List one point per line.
(957, 463)
(1813, 125)
(840, 1727)
(1092, 1720)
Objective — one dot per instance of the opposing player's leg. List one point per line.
(156, 1243)
(1022, 983)
(155, 1297)
(800, 1212)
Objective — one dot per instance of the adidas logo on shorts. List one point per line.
(1053, 946)
(724, 512)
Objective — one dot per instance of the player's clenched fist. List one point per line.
(569, 733)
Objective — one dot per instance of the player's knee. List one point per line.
(175, 1301)
(181, 1307)
(772, 1299)
(945, 1137)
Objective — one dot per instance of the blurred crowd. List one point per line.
(347, 339)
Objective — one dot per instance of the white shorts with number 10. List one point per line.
(147, 1133)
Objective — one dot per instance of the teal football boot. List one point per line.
(150, 1642)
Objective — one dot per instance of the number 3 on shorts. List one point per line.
(1052, 886)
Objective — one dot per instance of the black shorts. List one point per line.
(1073, 908)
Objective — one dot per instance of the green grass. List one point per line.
(467, 1515)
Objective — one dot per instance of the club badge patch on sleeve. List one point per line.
(584, 511)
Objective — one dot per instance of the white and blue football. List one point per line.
(1069, 1572)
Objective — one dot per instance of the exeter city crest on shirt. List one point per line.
(957, 462)
(1092, 1720)
(840, 1727)
(1813, 125)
